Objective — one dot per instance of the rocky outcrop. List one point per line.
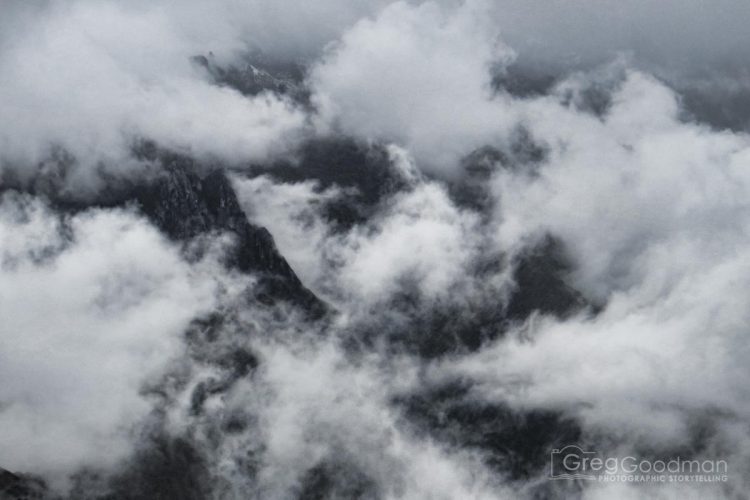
(255, 74)
(514, 442)
(540, 284)
(184, 205)
(365, 171)
(20, 487)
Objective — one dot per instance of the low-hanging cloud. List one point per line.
(78, 80)
(92, 306)
(94, 78)
(649, 207)
(652, 210)
(418, 76)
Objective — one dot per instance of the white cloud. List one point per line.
(92, 306)
(418, 76)
(93, 77)
(652, 209)
(636, 182)
(654, 212)
(421, 236)
(312, 404)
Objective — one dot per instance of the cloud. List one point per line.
(312, 406)
(92, 306)
(421, 236)
(94, 77)
(77, 79)
(418, 76)
(619, 190)
(650, 207)
(322, 404)
(653, 211)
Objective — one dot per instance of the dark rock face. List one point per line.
(515, 443)
(184, 205)
(432, 329)
(344, 162)
(436, 328)
(256, 74)
(364, 170)
(164, 469)
(167, 470)
(20, 487)
(522, 153)
(540, 284)
(523, 82)
(334, 480)
(186, 200)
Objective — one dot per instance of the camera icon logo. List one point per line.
(571, 462)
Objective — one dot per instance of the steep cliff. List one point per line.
(183, 204)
